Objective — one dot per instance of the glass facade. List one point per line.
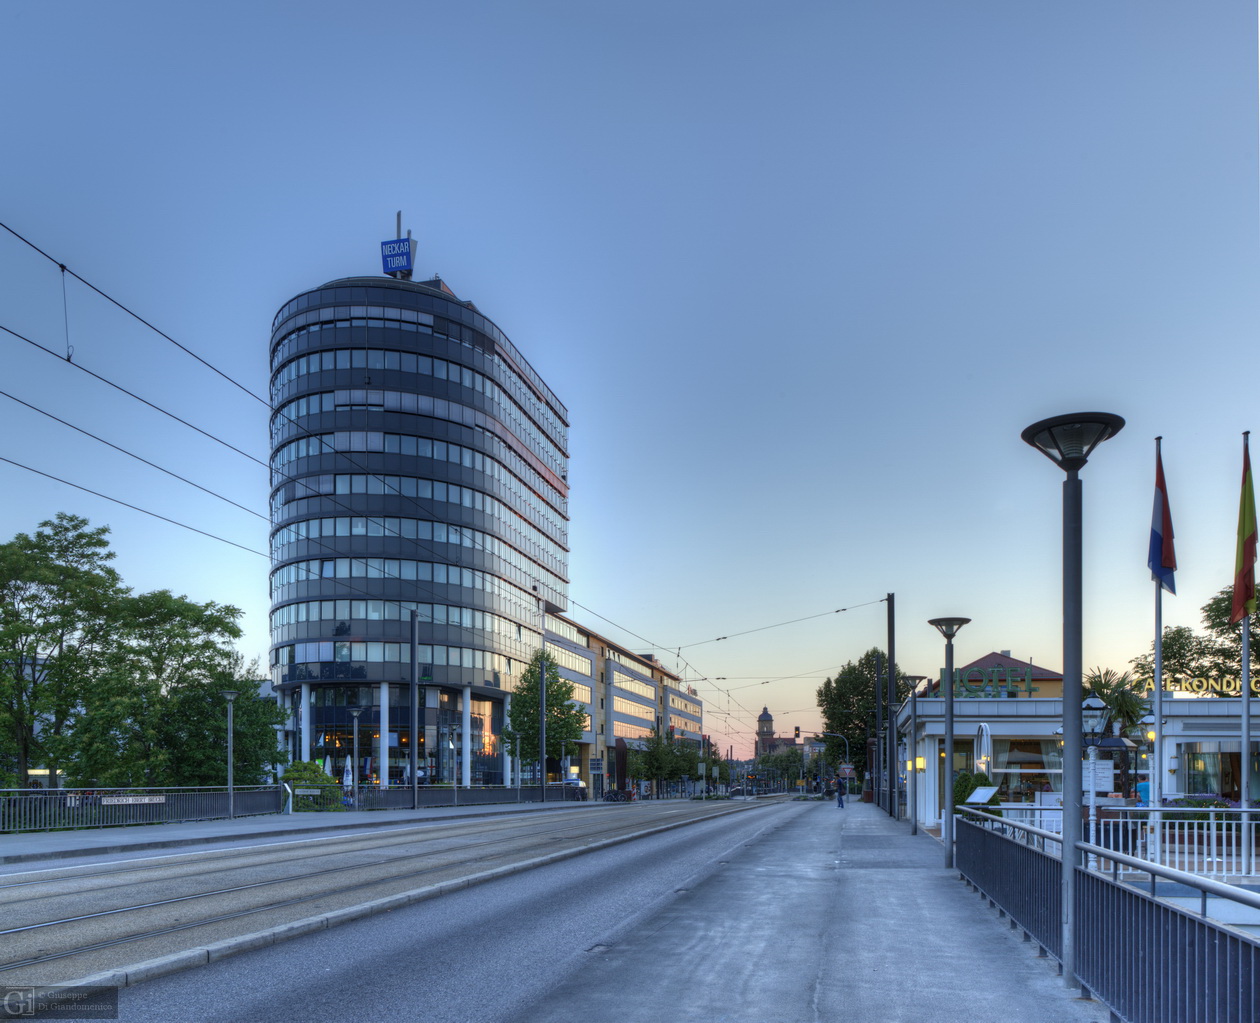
(418, 463)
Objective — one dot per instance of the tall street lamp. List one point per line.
(1068, 441)
(354, 777)
(948, 627)
(230, 695)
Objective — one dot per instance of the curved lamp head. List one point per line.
(1094, 715)
(948, 626)
(1069, 440)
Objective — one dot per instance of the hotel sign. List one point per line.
(978, 683)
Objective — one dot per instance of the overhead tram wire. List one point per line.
(779, 625)
(277, 474)
(284, 476)
(456, 560)
(130, 312)
(96, 493)
(132, 454)
(302, 430)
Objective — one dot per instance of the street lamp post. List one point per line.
(948, 627)
(1068, 441)
(230, 695)
(354, 776)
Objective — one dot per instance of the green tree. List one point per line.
(195, 731)
(1126, 706)
(566, 719)
(1214, 654)
(60, 606)
(141, 723)
(848, 700)
(1186, 655)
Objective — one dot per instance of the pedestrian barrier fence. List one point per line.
(51, 809)
(1144, 941)
(1217, 842)
(59, 809)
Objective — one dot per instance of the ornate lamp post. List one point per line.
(1068, 441)
(948, 627)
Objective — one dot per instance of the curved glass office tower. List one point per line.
(417, 462)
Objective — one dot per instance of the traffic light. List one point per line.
(798, 731)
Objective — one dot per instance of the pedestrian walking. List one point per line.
(840, 793)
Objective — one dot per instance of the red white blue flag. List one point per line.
(1162, 558)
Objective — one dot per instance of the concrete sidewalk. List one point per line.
(837, 915)
(26, 850)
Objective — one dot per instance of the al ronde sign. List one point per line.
(1226, 686)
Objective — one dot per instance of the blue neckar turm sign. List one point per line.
(396, 255)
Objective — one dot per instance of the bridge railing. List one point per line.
(1150, 960)
(51, 809)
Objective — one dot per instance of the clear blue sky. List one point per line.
(801, 272)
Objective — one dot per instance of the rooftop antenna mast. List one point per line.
(403, 275)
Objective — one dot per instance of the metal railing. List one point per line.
(67, 809)
(52, 809)
(1149, 959)
(1210, 840)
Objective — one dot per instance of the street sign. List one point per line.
(847, 771)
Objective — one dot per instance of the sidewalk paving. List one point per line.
(837, 915)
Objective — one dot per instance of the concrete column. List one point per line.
(506, 753)
(304, 717)
(465, 743)
(382, 749)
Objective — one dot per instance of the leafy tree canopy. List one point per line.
(848, 700)
(566, 719)
(1215, 653)
(118, 689)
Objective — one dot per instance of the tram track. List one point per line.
(133, 938)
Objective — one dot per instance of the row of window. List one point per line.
(515, 528)
(370, 441)
(680, 725)
(331, 653)
(348, 611)
(524, 570)
(385, 359)
(629, 731)
(631, 662)
(453, 322)
(566, 629)
(442, 408)
(397, 568)
(568, 659)
(634, 710)
(400, 401)
(633, 685)
(686, 706)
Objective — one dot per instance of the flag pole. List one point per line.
(1154, 777)
(1163, 565)
(1243, 607)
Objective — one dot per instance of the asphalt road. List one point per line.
(795, 913)
(483, 954)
